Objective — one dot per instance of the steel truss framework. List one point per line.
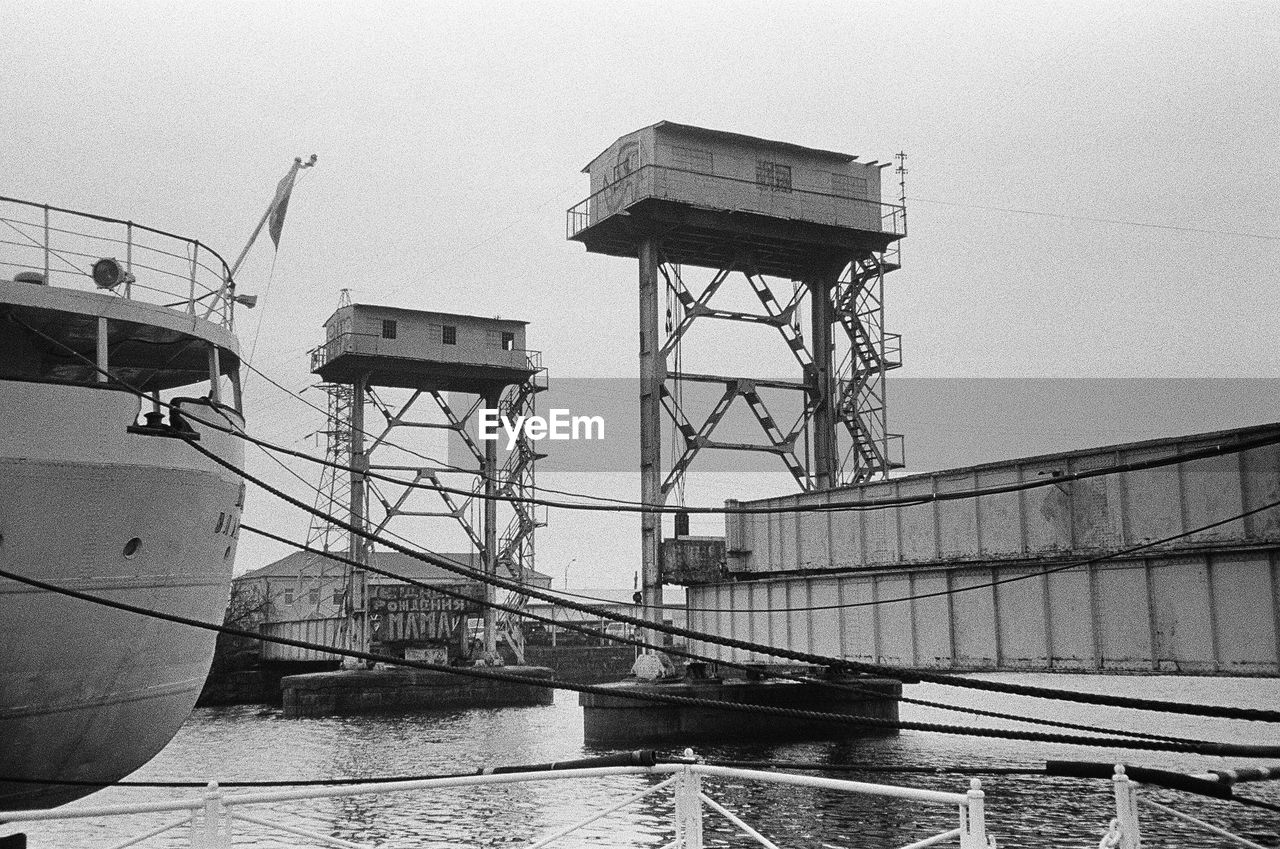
(844, 389)
(406, 411)
(333, 496)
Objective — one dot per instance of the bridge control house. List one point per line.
(407, 348)
(694, 169)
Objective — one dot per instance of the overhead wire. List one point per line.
(1098, 220)
(876, 602)
(444, 465)
(625, 505)
(829, 506)
(257, 332)
(1216, 450)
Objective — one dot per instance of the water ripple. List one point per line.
(251, 743)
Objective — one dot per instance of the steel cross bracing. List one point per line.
(432, 410)
(697, 438)
(856, 393)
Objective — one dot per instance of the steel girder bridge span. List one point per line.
(1141, 571)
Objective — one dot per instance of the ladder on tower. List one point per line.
(871, 353)
(515, 545)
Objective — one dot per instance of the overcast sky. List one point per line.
(451, 136)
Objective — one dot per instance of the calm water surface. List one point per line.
(247, 743)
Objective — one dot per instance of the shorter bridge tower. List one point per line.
(421, 371)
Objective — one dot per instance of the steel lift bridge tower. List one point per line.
(673, 195)
(422, 371)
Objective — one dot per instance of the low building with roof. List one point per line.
(304, 596)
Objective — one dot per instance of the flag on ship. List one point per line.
(281, 206)
(273, 218)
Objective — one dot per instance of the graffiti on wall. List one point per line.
(403, 613)
(620, 191)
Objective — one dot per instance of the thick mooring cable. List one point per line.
(588, 631)
(908, 676)
(649, 695)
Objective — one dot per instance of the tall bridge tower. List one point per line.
(424, 371)
(672, 196)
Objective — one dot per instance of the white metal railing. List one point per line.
(61, 246)
(1125, 831)
(211, 817)
(373, 345)
(719, 191)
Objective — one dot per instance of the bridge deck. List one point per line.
(997, 581)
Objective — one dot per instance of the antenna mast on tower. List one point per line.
(901, 171)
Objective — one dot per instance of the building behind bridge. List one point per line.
(303, 596)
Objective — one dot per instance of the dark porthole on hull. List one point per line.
(131, 547)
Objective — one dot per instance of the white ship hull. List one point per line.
(87, 692)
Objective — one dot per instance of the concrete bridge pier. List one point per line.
(622, 721)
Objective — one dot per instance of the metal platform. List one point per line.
(346, 357)
(743, 239)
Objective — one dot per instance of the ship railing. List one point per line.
(1125, 830)
(373, 344)
(211, 818)
(59, 247)
(716, 191)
